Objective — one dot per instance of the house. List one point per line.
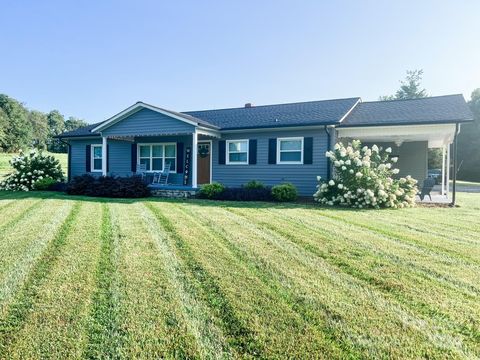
(270, 143)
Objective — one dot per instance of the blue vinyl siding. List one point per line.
(303, 176)
(147, 122)
(120, 155)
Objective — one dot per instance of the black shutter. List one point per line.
(252, 152)
(134, 158)
(221, 152)
(272, 151)
(108, 158)
(308, 150)
(179, 157)
(88, 153)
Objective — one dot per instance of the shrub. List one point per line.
(30, 168)
(246, 194)
(253, 184)
(364, 178)
(211, 191)
(108, 186)
(284, 192)
(44, 184)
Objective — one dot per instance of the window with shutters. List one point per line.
(237, 152)
(96, 158)
(155, 156)
(290, 150)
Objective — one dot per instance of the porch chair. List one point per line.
(161, 178)
(427, 187)
(141, 170)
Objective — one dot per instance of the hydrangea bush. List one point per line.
(30, 168)
(364, 178)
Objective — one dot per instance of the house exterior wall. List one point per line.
(147, 122)
(412, 158)
(303, 176)
(120, 153)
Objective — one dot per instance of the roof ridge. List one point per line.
(257, 106)
(398, 100)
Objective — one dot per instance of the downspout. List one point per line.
(329, 137)
(454, 187)
(69, 158)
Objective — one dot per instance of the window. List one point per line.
(96, 158)
(155, 156)
(290, 150)
(237, 152)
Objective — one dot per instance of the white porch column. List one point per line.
(447, 185)
(104, 155)
(194, 158)
(443, 171)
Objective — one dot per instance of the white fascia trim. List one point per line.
(227, 151)
(351, 109)
(289, 162)
(208, 132)
(137, 107)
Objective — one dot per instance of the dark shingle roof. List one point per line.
(302, 113)
(431, 110)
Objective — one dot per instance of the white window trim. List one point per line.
(92, 162)
(227, 150)
(163, 161)
(279, 140)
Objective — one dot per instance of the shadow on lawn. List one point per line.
(300, 204)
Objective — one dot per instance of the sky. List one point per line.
(92, 59)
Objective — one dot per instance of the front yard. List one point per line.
(85, 277)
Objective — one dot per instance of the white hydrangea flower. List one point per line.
(359, 174)
(331, 182)
(394, 159)
(344, 168)
(375, 148)
(395, 171)
(340, 186)
(388, 150)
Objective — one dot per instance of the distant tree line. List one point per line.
(22, 128)
(468, 139)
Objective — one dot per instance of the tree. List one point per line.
(410, 88)
(74, 123)
(40, 128)
(469, 143)
(17, 132)
(56, 125)
(3, 126)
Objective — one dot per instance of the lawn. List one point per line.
(5, 167)
(83, 277)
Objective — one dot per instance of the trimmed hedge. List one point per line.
(108, 186)
(251, 191)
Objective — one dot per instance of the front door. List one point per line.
(203, 162)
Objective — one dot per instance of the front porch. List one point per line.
(411, 144)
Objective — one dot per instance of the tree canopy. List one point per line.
(410, 88)
(22, 128)
(469, 143)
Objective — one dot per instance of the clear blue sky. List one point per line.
(91, 59)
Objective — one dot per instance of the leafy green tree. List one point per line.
(56, 125)
(74, 123)
(17, 132)
(410, 88)
(40, 128)
(3, 127)
(469, 143)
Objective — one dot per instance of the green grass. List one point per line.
(5, 167)
(100, 278)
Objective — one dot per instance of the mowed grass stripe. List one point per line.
(428, 304)
(22, 305)
(164, 318)
(11, 215)
(238, 336)
(317, 323)
(275, 324)
(56, 325)
(103, 331)
(22, 245)
(314, 274)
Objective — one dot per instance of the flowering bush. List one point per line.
(364, 178)
(28, 169)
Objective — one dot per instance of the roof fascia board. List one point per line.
(351, 109)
